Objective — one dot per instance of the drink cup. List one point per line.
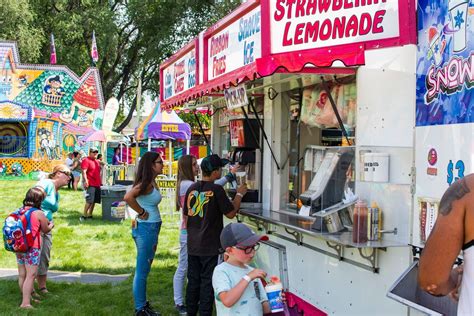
(274, 297)
(241, 177)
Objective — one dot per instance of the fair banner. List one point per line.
(110, 113)
(301, 25)
(180, 75)
(237, 45)
(236, 97)
(445, 71)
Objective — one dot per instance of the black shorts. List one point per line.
(93, 195)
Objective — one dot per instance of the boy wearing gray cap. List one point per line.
(237, 286)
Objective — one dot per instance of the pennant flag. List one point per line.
(52, 48)
(94, 51)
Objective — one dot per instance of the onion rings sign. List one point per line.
(308, 24)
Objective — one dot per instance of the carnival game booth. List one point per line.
(320, 100)
(44, 109)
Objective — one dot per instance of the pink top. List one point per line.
(35, 229)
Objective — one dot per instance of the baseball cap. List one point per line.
(213, 162)
(93, 149)
(238, 234)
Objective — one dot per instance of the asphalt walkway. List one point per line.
(70, 277)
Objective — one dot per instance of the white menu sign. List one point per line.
(180, 75)
(300, 25)
(237, 45)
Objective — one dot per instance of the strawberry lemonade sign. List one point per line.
(308, 24)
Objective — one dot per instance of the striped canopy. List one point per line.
(163, 125)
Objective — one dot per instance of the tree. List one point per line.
(16, 24)
(133, 36)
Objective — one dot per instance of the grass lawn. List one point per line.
(93, 246)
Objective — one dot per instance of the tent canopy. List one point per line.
(163, 125)
(102, 136)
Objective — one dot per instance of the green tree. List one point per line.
(16, 24)
(133, 36)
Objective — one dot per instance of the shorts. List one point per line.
(31, 258)
(46, 244)
(93, 195)
(76, 174)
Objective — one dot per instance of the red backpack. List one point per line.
(17, 234)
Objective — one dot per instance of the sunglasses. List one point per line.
(95, 152)
(67, 173)
(159, 161)
(248, 250)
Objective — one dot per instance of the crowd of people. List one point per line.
(213, 259)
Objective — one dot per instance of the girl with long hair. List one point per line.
(188, 169)
(144, 198)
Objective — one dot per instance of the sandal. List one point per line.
(27, 307)
(34, 294)
(43, 290)
(34, 300)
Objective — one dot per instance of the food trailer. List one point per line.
(347, 130)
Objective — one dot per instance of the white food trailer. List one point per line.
(363, 97)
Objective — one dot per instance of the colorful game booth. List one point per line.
(44, 111)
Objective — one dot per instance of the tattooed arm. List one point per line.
(445, 241)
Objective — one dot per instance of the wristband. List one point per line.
(143, 212)
(247, 278)
(240, 194)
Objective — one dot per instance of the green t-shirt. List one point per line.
(50, 204)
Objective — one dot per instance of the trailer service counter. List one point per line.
(339, 100)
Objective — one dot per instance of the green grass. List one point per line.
(93, 246)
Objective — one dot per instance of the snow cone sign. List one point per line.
(445, 68)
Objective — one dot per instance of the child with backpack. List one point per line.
(21, 234)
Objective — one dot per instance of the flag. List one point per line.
(52, 48)
(94, 51)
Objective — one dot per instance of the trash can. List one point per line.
(113, 205)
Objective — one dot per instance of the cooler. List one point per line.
(113, 205)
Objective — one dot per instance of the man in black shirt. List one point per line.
(205, 204)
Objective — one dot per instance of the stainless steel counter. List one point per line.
(303, 224)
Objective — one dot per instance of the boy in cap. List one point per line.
(234, 281)
(205, 204)
(91, 176)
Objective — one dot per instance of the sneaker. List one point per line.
(150, 309)
(82, 218)
(181, 310)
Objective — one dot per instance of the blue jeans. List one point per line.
(180, 274)
(146, 240)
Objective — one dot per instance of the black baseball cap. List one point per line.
(213, 162)
(238, 234)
